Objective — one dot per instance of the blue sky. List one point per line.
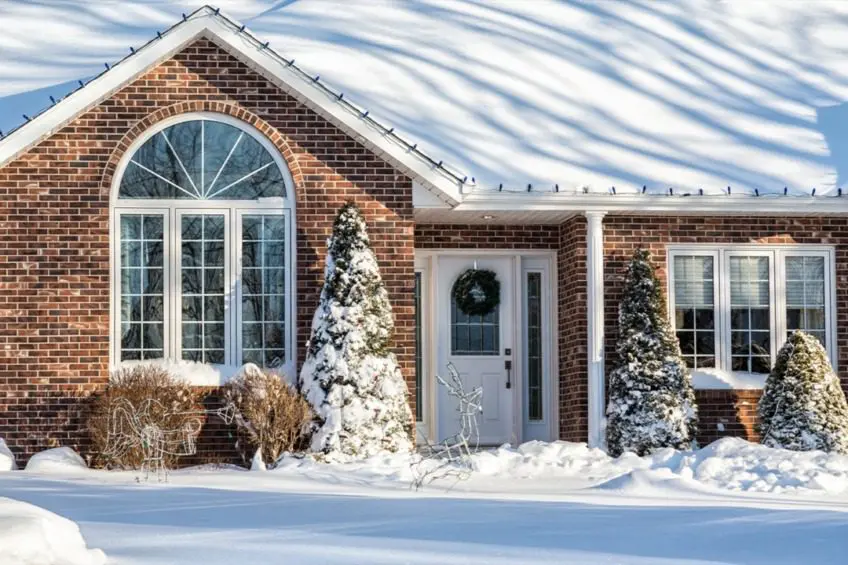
(13, 107)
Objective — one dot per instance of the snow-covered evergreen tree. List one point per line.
(350, 377)
(651, 401)
(803, 406)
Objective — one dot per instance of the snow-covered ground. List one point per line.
(33, 536)
(732, 502)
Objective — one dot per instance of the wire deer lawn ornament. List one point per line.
(469, 407)
(453, 454)
(137, 427)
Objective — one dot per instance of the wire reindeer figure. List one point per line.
(453, 454)
(137, 427)
(469, 407)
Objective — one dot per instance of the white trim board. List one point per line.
(729, 205)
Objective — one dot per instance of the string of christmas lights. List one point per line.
(361, 113)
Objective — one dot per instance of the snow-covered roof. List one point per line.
(211, 23)
(538, 96)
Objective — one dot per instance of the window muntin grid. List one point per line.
(203, 287)
(694, 309)
(750, 314)
(263, 294)
(202, 160)
(806, 295)
(142, 272)
(474, 335)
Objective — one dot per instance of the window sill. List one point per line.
(717, 379)
(193, 373)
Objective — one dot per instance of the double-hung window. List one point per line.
(734, 306)
(202, 252)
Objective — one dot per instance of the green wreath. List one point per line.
(477, 292)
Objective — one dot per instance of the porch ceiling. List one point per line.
(499, 217)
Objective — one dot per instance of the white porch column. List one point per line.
(595, 324)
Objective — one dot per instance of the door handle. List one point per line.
(508, 367)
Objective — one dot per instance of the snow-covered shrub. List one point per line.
(350, 376)
(174, 399)
(651, 401)
(269, 415)
(803, 407)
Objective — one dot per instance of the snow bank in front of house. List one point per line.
(7, 458)
(57, 460)
(728, 464)
(717, 379)
(30, 535)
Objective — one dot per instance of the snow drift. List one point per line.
(57, 460)
(7, 458)
(729, 464)
(30, 535)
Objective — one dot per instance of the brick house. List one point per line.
(177, 208)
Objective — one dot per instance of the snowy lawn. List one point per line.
(559, 503)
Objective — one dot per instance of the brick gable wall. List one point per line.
(54, 243)
(722, 412)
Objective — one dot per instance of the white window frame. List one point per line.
(233, 210)
(777, 288)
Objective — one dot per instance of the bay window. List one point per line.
(203, 249)
(734, 306)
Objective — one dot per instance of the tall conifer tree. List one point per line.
(350, 377)
(651, 400)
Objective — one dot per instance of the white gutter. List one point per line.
(741, 205)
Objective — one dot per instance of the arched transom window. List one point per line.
(204, 247)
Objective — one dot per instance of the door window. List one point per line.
(474, 335)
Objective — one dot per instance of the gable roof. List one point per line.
(235, 38)
(565, 106)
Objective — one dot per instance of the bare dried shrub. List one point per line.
(171, 407)
(268, 414)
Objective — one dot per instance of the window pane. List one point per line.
(805, 295)
(467, 332)
(142, 298)
(419, 409)
(203, 287)
(263, 288)
(694, 314)
(202, 159)
(750, 315)
(535, 361)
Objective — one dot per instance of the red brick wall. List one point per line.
(734, 410)
(573, 368)
(54, 212)
(468, 236)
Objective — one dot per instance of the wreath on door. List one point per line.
(477, 292)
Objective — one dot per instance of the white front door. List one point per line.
(480, 347)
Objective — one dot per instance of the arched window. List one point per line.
(203, 247)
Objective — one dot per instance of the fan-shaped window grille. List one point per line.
(202, 160)
(203, 227)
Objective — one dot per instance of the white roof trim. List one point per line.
(217, 27)
(741, 205)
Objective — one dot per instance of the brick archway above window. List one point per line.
(194, 106)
